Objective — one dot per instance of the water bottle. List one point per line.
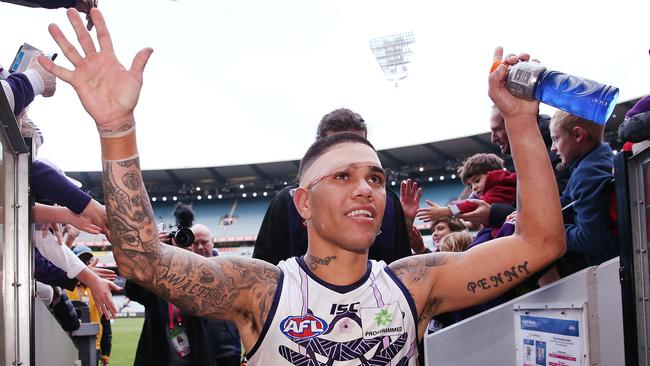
(581, 97)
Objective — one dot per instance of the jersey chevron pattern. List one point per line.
(313, 323)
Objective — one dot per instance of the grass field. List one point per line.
(126, 332)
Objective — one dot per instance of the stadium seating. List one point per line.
(248, 213)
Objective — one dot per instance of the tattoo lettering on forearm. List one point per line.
(313, 262)
(499, 279)
(233, 288)
(190, 287)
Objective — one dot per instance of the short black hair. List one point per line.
(340, 120)
(321, 146)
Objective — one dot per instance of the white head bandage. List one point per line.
(337, 159)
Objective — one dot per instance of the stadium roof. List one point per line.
(433, 159)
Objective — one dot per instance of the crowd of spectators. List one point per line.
(584, 169)
(68, 278)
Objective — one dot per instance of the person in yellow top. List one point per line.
(84, 294)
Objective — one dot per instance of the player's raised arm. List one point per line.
(442, 282)
(236, 289)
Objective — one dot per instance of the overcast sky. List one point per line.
(234, 82)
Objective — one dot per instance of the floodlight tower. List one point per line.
(393, 53)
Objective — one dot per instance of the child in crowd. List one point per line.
(579, 144)
(489, 181)
(441, 227)
(455, 242)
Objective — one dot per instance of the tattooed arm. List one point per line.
(236, 289)
(442, 282)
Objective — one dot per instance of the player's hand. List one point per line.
(107, 90)
(508, 104)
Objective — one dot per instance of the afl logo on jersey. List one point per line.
(302, 327)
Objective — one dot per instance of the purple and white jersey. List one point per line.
(313, 323)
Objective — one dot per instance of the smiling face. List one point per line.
(346, 207)
(341, 194)
(440, 229)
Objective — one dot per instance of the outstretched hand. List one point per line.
(433, 212)
(97, 214)
(409, 197)
(416, 242)
(107, 90)
(55, 228)
(104, 273)
(102, 292)
(508, 104)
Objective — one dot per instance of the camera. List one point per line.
(183, 237)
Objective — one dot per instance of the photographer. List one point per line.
(171, 336)
(183, 236)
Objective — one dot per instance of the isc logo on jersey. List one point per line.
(305, 326)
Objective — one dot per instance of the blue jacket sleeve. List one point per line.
(50, 185)
(591, 235)
(23, 91)
(48, 273)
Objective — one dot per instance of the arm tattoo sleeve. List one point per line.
(223, 288)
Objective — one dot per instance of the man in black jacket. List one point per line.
(283, 233)
(170, 336)
(159, 342)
